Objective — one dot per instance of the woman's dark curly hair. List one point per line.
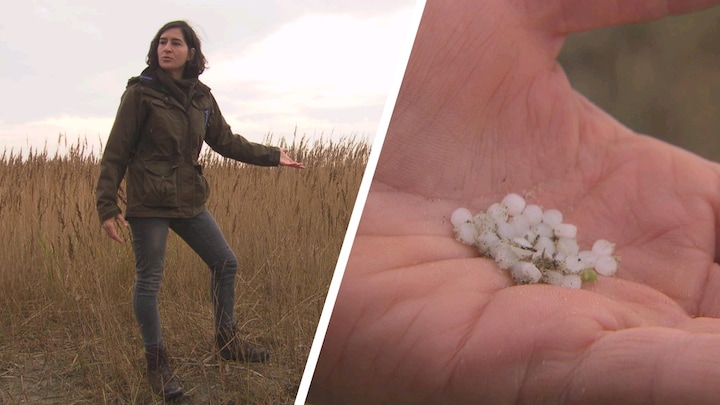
(195, 66)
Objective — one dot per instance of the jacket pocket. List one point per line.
(197, 186)
(160, 188)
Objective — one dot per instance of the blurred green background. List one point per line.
(660, 78)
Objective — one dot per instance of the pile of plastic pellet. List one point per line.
(533, 244)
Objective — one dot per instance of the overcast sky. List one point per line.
(323, 66)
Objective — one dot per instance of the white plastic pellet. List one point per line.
(544, 247)
(567, 247)
(573, 264)
(588, 257)
(601, 247)
(533, 213)
(543, 230)
(460, 216)
(554, 277)
(484, 223)
(520, 223)
(565, 230)
(498, 213)
(522, 243)
(606, 265)
(514, 203)
(572, 281)
(504, 255)
(485, 241)
(552, 217)
(506, 231)
(465, 232)
(525, 273)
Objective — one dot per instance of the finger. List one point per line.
(638, 365)
(114, 236)
(630, 366)
(112, 232)
(122, 220)
(584, 15)
(646, 365)
(291, 163)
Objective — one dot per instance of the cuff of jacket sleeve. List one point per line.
(111, 213)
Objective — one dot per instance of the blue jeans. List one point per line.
(204, 236)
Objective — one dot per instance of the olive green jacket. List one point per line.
(156, 140)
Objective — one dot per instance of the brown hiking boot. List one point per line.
(233, 347)
(162, 379)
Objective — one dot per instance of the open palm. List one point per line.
(484, 110)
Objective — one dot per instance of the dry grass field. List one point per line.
(68, 335)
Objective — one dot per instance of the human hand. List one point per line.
(286, 160)
(109, 226)
(484, 109)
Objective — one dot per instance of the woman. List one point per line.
(164, 117)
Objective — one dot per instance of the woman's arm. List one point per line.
(121, 141)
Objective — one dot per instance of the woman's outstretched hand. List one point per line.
(286, 160)
(485, 109)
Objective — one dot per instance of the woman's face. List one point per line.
(173, 52)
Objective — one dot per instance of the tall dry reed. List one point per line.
(69, 335)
